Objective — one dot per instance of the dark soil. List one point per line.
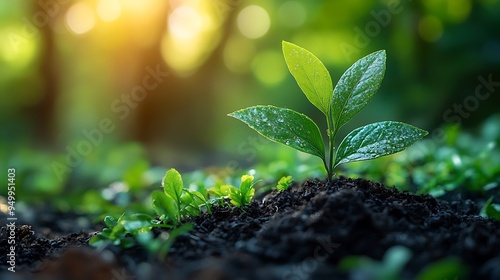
(301, 233)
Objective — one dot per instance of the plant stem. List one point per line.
(331, 137)
(325, 163)
(332, 148)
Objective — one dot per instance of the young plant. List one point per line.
(121, 232)
(177, 202)
(352, 93)
(243, 195)
(284, 183)
(238, 196)
(491, 210)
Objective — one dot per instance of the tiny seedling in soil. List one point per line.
(172, 205)
(238, 197)
(491, 210)
(284, 183)
(352, 93)
(120, 232)
(176, 202)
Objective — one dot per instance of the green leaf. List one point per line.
(187, 198)
(243, 195)
(376, 140)
(491, 210)
(201, 199)
(311, 75)
(172, 184)
(218, 190)
(198, 197)
(110, 221)
(165, 205)
(200, 188)
(118, 231)
(235, 196)
(284, 183)
(246, 189)
(189, 204)
(284, 126)
(98, 240)
(137, 222)
(357, 86)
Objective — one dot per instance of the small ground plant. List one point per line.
(284, 183)
(352, 93)
(491, 210)
(176, 202)
(237, 196)
(172, 205)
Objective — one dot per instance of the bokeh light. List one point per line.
(192, 34)
(253, 22)
(80, 18)
(17, 51)
(185, 22)
(108, 10)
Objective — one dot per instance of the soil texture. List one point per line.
(301, 233)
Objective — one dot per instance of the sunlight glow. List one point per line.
(141, 7)
(142, 21)
(193, 32)
(80, 18)
(253, 22)
(108, 10)
(17, 51)
(185, 22)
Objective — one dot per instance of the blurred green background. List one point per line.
(95, 91)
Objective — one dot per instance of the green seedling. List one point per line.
(352, 93)
(121, 232)
(238, 196)
(132, 229)
(176, 202)
(219, 194)
(243, 195)
(284, 183)
(491, 210)
(464, 162)
(172, 205)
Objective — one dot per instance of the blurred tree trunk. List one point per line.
(43, 112)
